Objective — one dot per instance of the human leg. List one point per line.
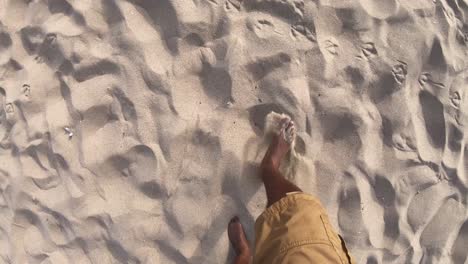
(239, 242)
(276, 185)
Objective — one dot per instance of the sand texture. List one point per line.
(131, 130)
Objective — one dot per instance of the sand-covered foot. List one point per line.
(280, 145)
(237, 237)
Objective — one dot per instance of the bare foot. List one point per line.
(237, 237)
(280, 145)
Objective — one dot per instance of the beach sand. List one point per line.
(131, 130)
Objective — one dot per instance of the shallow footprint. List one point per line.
(369, 50)
(303, 30)
(400, 71)
(350, 211)
(331, 47)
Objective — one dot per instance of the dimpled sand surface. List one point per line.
(131, 130)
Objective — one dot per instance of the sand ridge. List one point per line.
(131, 130)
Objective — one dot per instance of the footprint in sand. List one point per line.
(403, 143)
(455, 99)
(350, 210)
(423, 79)
(46, 47)
(426, 78)
(26, 90)
(143, 168)
(399, 72)
(369, 50)
(331, 47)
(9, 108)
(301, 29)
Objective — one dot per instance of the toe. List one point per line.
(285, 126)
(290, 132)
(290, 125)
(285, 122)
(235, 219)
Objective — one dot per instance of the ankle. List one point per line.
(269, 166)
(245, 256)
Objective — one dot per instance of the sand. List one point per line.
(131, 130)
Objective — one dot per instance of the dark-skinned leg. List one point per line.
(276, 185)
(239, 259)
(239, 242)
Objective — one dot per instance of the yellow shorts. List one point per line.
(296, 229)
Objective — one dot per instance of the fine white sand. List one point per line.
(131, 130)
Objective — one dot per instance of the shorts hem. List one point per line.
(285, 202)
